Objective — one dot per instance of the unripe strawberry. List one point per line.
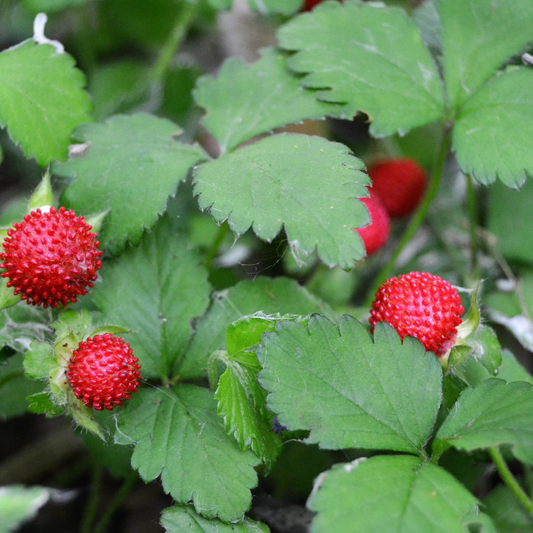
(103, 372)
(50, 258)
(375, 235)
(421, 305)
(399, 184)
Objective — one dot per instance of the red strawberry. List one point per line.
(421, 305)
(399, 184)
(50, 258)
(103, 372)
(310, 4)
(375, 235)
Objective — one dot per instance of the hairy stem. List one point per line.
(418, 217)
(509, 479)
(121, 494)
(175, 38)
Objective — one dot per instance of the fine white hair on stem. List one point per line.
(39, 36)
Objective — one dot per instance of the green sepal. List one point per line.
(102, 330)
(42, 404)
(7, 298)
(43, 195)
(83, 416)
(58, 382)
(470, 363)
(97, 220)
(471, 320)
(39, 361)
(482, 347)
(3, 234)
(74, 323)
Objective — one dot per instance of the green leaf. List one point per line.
(177, 102)
(242, 405)
(118, 87)
(306, 184)
(155, 290)
(138, 21)
(14, 388)
(426, 17)
(513, 308)
(246, 101)
(372, 59)
(349, 391)
(493, 413)
(390, 493)
(510, 218)
(492, 133)
(18, 504)
(41, 100)
(268, 295)
(220, 4)
(281, 7)
(21, 325)
(130, 165)
(241, 401)
(482, 523)
(507, 512)
(50, 6)
(512, 370)
(178, 435)
(478, 37)
(180, 519)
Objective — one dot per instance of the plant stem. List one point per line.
(418, 217)
(509, 479)
(529, 479)
(178, 33)
(121, 494)
(94, 497)
(472, 217)
(11, 375)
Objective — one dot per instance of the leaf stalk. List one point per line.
(175, 38)
(121, 494)
(509, 479)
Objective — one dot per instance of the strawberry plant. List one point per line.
(214, 333)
